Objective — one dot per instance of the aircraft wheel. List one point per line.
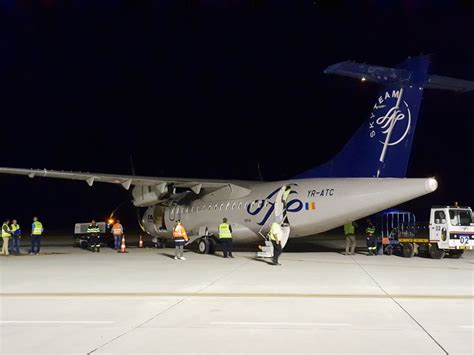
(408, 250)
(212, 246)
(204, 246)
(435, 252)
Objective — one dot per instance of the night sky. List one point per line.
(202, 89)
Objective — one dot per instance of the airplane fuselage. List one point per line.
(314, 206)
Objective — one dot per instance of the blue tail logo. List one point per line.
(389, 113)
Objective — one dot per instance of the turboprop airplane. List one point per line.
(367, 176)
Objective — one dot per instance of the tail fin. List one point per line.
(381, 146)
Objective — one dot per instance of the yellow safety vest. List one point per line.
(4, 233)
(14, 227)
(37, 228)
(349, 229)
(224, 231)
(275, 232)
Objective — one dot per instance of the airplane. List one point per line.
(367, 176)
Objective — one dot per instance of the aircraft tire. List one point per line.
(204, 245)
(408, 250)
(435, 252)
(212, 246)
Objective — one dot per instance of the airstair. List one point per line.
(279, 216)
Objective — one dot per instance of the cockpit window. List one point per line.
(460, 217)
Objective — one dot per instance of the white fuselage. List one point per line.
(314, 206)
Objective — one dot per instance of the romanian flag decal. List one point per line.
(310, 205)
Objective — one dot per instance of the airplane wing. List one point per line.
(125, 180)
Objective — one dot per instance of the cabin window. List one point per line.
(227, 206)
(192, 209)
(222, 206)
(240, 205)
(215, 206)
(233, 205)
(210, 207)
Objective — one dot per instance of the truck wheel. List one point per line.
(84, 244)
(408, 250)
(455, 254)
(389, 250)
(435, 252)
(204, 246)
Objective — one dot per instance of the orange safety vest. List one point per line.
(117, 229)
(179, 232)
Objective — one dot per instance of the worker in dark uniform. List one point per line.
(93, 232)
(225, 237)
(371, 239)
(15, 240)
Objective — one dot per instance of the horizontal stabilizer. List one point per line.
(384, 75)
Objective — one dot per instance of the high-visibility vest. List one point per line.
(275, 232)
(370, 230)
(37, 228)
(117, 229)
(224, 231)
(5, 234)
(14, 228)
(349, 229)
(179, 232)
(93, 229)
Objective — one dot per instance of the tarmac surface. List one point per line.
(68, 300)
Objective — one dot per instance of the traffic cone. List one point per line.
(140, 242)
(123, 248)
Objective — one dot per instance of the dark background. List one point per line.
(202, 88)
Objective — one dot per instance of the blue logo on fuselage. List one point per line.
(257, 206)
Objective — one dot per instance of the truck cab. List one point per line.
(451, 229)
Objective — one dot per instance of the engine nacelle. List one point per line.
(144, 196)
(154, 221)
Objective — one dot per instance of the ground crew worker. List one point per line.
(284, 198)
(36, 232)
(371, 239)
(225, 236)
(15, 240)
(180, 237)
(6, 234)
(275, 235)
(117, 231)
(94, 236)
(349, 232)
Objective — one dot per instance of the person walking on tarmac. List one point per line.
(6, 234)
(117, 231)
(180, 237)
(36, 233)
(225, 236)
(94, 236)
(15, 240)
(275, 235)
(371, 239)
(349, 232)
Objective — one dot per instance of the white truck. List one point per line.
(449, 232)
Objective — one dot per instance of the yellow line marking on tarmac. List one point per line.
(235, 295)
